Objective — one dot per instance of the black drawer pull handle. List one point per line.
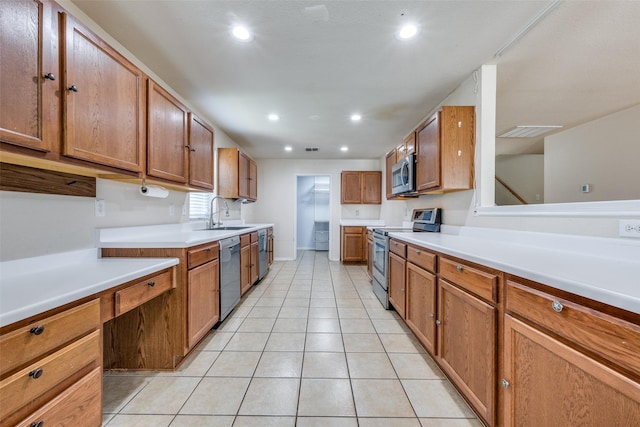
(37, 330)
(50, 76)
(151, 283)
(36, 373)
(37, 424)
(208, 249)
(73, 88)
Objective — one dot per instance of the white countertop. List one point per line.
(168, 235)
(606, 270)
(34, 285)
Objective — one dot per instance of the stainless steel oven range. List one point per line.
(423, 220)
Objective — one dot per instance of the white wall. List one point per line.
(524, 174)
(603, 153)
(277, 199)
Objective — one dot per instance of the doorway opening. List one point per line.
(312, 207)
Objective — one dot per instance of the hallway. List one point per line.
(310, 345)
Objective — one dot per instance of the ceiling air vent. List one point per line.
(311, 149)
(528, 131)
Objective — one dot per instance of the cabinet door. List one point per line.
(202, 300)
(29, 108)
(371, 187)
(167, 147)
(389, 162)
(201, 154)
(253, 180)
(467, 346)
(409, 144)
(245, 269)
(254, 262)
(104, 102)
(428, 155)
(350, 187)
(243, 176)
(421, 305)
(397, 283)
(551, 384)
(352, 244)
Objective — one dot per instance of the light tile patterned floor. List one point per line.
(310, 345)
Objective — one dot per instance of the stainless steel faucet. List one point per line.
(213, 224)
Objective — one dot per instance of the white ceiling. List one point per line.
(315, 63)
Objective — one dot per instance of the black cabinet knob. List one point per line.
(37, 330)
(73, 88)
(37, 424)
(151, 283)
(36, 373)
(50, 76)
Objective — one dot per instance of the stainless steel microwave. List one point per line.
(403, 177)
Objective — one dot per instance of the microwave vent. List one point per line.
(311, 149)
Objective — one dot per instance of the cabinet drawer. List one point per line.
(78, 405)
(245, 240)
(398, 248)
(352, 230)
(615, 339)
(38, 338)
(143, 291)
(30, 382)
(421, 258)
(200, 255)
(479, 282)
(254, 237)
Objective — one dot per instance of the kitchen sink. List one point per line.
(229, 228)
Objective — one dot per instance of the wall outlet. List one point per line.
(101, 209)
(629, 228)
(357, 212)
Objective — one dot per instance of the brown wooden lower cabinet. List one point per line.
(467, 346)
(203, 300)
(353, 244)
(397, 283)
(421, 305)
(59, 375)
(520, 353)
(548, 383)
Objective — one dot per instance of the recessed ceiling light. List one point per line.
(241, 33)
(288, 148)
(273, 117)
(344, 148)
(356, 117)
(407, 31)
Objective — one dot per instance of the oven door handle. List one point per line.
(404, 173)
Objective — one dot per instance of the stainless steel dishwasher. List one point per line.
(229, 275)
(262, 253)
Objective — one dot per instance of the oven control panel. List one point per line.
(427, 219)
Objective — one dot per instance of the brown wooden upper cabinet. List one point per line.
(237, 175)
(103, 100)
(361, 187)
(167, 138)
(408, 146)
(29, 107)
(200, 153)
(445, 145)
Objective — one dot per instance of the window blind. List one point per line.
(199, 205)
